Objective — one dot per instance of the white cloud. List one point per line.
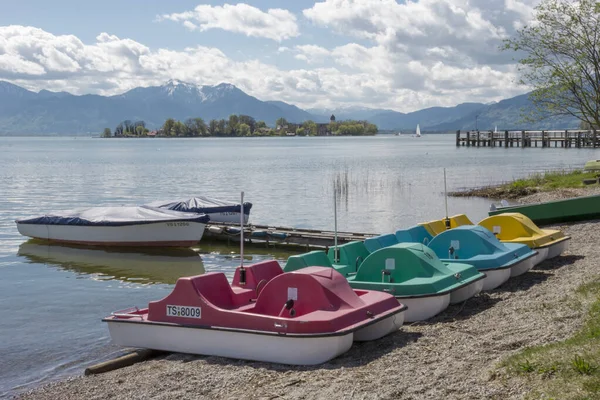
(349, 74)
(311, 53)
(276, 24)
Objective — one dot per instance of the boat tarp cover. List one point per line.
(115, 216)
(202, 204)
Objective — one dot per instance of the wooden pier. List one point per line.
(565, 139)
(274, 236)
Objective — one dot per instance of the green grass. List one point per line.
(551, 180)
(569, 369)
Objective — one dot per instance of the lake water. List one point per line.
(53, 297)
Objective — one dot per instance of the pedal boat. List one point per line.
(301, 318)
(517, 228)
(479, 247)
(512, 228)
(409, 271)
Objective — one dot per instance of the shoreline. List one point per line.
(455, 355)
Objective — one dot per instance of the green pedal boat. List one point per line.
(410, 271)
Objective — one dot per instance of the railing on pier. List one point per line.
(565, 139)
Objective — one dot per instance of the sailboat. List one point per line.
(418, 134)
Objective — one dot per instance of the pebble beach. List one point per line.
(455, 355)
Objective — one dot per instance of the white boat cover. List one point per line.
(201, 204)
(114, 216)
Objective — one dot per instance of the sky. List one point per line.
(399, 55)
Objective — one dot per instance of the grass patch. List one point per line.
(538, 182)
(569, 369)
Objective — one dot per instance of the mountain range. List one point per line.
(45, 112)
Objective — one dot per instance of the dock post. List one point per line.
(468, 138)
(478, 139)
(578, 140)
(567, 138)
(543, 139)
(523, 144)
(595, 139)
(458, 138)
(505, 138)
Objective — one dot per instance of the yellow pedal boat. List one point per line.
(511, 228)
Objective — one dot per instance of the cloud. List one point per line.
(276, 24)
(311, 53)
(349, 74)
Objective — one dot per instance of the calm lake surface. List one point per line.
(53, 297)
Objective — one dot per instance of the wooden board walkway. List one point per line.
(273, 235)
(565, 139)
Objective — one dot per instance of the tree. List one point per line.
(106, 132)
(562, 59)
(281, 122)
(248, 120)
(232, 125)
(195, 126)
(212, 127)
(261, 124)
(139, 130)
(119, 129)
(301, 132)
(221, 124)
(244, 130)
(167, 127)
(310, 127)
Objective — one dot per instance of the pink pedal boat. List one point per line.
(304, 317)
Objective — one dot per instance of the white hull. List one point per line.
(522, 267)
(172, 233)
(422, 308)
(495, 278)
(464, 293)
(380, 329)
(541, 255)
(246, 346)
(557, 249)
(228, 217)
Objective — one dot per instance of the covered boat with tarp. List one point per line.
(218, 210)
(409, 271)
(302, 318)
(117, 226)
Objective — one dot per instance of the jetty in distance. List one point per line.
(551, 138)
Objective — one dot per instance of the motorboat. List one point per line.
(221, 211)
(410, 271)
(117, 226)
(304, 317)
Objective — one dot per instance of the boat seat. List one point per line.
(257, 275)
(317, 258)
(372, 245)
(459, 220)
(351, 255)
(434, 227)
(414, 234)
(215, 288)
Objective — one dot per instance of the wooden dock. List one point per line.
(273, 236)
(565, 139)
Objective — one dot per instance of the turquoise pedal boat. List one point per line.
(473, 245)
(410, 271)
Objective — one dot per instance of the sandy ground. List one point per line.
(560, 194)
(452, 356)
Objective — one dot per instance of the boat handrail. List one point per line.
(128, 313)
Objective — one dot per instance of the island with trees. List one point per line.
(241, 126)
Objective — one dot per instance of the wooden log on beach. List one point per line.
(122, 362)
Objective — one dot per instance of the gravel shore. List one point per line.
(452, 356)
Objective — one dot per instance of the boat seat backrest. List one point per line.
(311, 289)
(460, 220)
(215, 288)
(257, 272)
(316, 258)
(351, 254)
(387, 240)
(414, 234)
(372, 244)
(434, 227)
